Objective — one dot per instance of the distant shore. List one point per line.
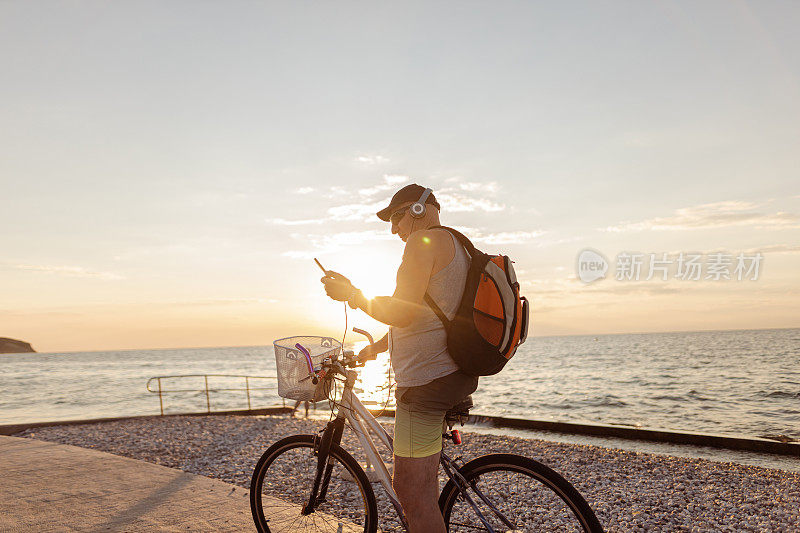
(15, 346)
(629, 491)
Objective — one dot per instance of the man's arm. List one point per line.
(382, 345)
(373, 349)
(413, 276)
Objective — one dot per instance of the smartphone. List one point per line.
(320, 266)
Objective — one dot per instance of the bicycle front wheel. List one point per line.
(520, 495)
(282, 483)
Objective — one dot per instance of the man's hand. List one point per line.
(337, 286)
(369, 352)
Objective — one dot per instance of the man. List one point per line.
(428, 380)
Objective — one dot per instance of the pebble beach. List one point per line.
(629, 491)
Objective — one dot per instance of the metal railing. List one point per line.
(161, 391)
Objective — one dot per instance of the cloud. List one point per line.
(355, 211)
(37, 313)
(69, 271)
(572, 287)
(472, 186)
(390, 183)
(371, 159)
(394, 179)
(323, 244)
(460, 197)
(284, 222)
(458, 203)
(490, 187)
(216, 302)
(467, 196)
(714, 215)
(335, 192)
(363, 210)
(304, 190)
(508, 237)
(777, 249)
(634, 287)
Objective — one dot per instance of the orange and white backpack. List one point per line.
(492, 318)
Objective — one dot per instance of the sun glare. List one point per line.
(374, 273)
(373, 378)
(373, 276)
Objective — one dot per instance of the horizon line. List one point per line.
(530, 337)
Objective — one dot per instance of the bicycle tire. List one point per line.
(284, 475)
(544, 500)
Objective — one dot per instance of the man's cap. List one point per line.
(409, 193)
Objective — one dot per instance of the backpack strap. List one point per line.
(465, 242)
(470, 248)
(437, 310)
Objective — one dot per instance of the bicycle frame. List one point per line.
(351, 409)
(361, 421)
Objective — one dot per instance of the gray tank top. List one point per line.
(419, 351)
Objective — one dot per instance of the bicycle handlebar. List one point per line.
(366, 334)
(310, 363)
(348, 358)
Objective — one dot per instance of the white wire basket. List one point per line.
(294, 377)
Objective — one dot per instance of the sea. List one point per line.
(740, 383)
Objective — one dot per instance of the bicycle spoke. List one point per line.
(285, 488)
(522, 499)
(469, 526)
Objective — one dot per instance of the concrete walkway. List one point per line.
(55, 487)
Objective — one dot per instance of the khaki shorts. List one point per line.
(419, 419)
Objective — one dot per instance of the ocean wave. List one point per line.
(781, 394)
(605, 401)
(668, 398)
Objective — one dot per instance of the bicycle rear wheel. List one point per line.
(281, 487)
(530, 495)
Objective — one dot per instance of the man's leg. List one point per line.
(418, 427)
(415, 482)
(417, 447)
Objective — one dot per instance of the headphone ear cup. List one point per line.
(417, 209)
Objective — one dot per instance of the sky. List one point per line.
(170, 169)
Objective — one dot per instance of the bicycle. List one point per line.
(311, 483)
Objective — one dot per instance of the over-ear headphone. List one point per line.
(417, 209)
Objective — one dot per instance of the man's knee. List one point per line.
(415, 479)
(404, 491)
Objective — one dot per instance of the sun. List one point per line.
(374, 273)
(372, 277)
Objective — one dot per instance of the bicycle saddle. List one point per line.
(460, 409)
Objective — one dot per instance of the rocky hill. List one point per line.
(14, 346)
